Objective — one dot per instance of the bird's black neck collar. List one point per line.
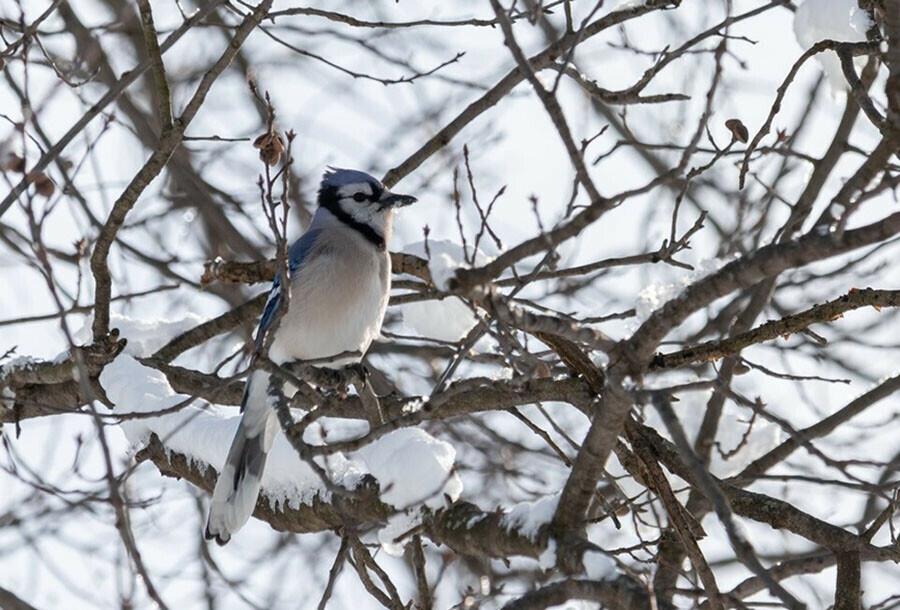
(328, 199)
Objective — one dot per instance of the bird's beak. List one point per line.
(393, 200)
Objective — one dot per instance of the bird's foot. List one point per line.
(357, 373)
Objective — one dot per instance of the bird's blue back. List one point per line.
(296, 255)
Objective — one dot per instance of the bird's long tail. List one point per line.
(238, 485)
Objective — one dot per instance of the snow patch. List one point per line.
(19, 363)
(413, 468)
(414, 406)
(397, 525)
(655, 296)
(144, 336)
(443, 268)
(630, 4)
(598, 566)
(448, 319)
(527, 518)
(547, 559)
(204, 436)
(415, 472)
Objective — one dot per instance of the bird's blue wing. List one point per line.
(296, 255)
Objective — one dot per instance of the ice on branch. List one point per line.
(447, 319)
(841, 20)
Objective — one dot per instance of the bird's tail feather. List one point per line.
(238, 485)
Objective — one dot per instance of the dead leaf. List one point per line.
(271, 146)
(738, 130)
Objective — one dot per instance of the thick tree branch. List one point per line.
(462, 526)
(164, 98)
(826, 312)
(619, 594)
(765, 262)
(168, 142)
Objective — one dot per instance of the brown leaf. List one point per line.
(738, 130)
(271, 147)
(44, 186)
(261, 141)
(14, 163)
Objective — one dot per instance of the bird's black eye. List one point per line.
(359, 197)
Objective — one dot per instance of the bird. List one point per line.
(340, 281)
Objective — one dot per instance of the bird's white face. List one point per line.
(369, 203)
(361, 201)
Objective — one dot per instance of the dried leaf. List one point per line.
(271, 147)
(41, 182)
(14, 163)
(44, 186)
(738, 130)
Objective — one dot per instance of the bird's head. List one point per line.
(355, 195)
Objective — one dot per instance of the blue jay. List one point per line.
(340, 280)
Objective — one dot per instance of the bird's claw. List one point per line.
(359, 371)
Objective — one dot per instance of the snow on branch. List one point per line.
(202, 436)
(404, 480)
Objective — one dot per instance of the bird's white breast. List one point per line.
(338, 299)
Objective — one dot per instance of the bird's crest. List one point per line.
(336, 177)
